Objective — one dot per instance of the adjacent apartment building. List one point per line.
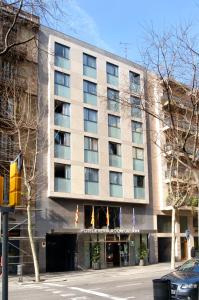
(96, 164)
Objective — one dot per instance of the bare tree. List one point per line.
(173, 101)
(20, 115)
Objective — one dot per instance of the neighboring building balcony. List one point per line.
(19, 52)
(179, 125)
(115, 160)
(138, 165)
(62, 120)
(11, 80)
(176, 175)
(91, 188)
(90, 126)
(62, 91)
(113, 80)
(177, 101)
(90, 98)
(116, 190)
(62, 152)
(62, 62)
(90, 72)
(114, 132)
(62, 185)
(139, 193)
(91, 156)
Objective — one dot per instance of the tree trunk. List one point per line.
(173, 224)
(32, 244)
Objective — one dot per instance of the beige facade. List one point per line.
(128, 197)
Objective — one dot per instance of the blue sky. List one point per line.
(106, 23)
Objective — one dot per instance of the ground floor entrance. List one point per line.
(60, 252)
(113, 250)
(164, 249)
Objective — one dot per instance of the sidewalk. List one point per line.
(66, 276)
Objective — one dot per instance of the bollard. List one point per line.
(20, 273)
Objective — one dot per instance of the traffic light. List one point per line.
(1, 190)
(15, 181)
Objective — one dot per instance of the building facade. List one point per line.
(18, 90)
(96, 164)
(169, 174)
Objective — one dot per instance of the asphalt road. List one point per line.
(114, 284)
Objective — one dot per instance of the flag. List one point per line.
(93, 217)
(133, 218)
(107, 216)
(77, 216)
(120, 217)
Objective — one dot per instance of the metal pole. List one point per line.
(5, 254)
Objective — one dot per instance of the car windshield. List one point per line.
(190, 265)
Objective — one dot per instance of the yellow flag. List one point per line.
(93, 217)
(107, 216)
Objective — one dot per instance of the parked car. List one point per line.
(185, 281)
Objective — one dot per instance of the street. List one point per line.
(116, 284)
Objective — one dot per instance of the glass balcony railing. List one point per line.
(113, 80)
(90, 99)
(139, 193)
(62, 185)
(90, 126)
(115, 160)
(62, 120)
(62, 62)
(91, 188)
(62, 91)
(138, 165)
(137, 138)
(113, 105)
(135, 87)
(90, 72)
(91, 156)
(116, 190)
(114, 132)
(62, 152)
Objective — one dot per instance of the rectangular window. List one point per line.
(89, 61)
(113, 121)
(113, 99)
(62, 178)
(115, 155)
(62, 51)
(115, 178)
(138, 159)
(114, 148)
(62, 79)
(90, 87)
(136, 107)
(134, 82)
(139, 181)
(62, 138)
(8, 70)
(62, 171)
(90, 144)
(90, 120)
(91, 175)
(164, 224)
(137, 132)
(139, 189)
(90, 115)
(62, 108)
(112, 69)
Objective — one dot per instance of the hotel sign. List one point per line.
(113, 231)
